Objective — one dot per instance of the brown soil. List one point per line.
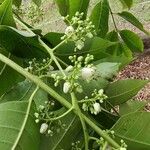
(139, 69)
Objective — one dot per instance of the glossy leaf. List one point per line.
(8, 76)
(123, 90)
(133, 20)
(131, 106)
(132, 40)
(122, 60)
(12, 115)
(19, 43)
(22, 92)
(6, 15)
(113, 37)
(127, 3)
(78, 6)
(134, 129)
(62, 6)
(95, 46)
(63, 139)
(100, 17)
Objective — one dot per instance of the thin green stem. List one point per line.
(93, 138)
(113, 19)
(113, 108)
(105, 146)
(50, 51)
(25, 119)
(66, 65)
(87, 100)
(76, 106)
(61, 116)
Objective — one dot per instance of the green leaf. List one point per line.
(8, 76)
(127, 3)
(132, 40)
(100, 17)
(70, 7)
(133, 20)
(131, 106)
(123, 90)
(12, 116)
(67, 136)
(122, 60)
(63, 6)
(22, 92)
(21, 44)
(105, 119)
(78, 6)
(107, 70)
(6, 15)
(113, 37)
(134, 129)
(95, 46)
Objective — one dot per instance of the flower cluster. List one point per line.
(75, 145)
(74, 72)
(40, 67)
(78, 30)
(94, 104)
(44, 115)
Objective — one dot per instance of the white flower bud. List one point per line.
(36, 115)
(69, 68)
(101, 92)
(79, 44)
(89, 35)
(43, 128)
(97, 108)
(69, 30)
(66, 87)
(37, 120)
(87, 73)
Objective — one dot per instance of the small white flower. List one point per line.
(87, 73)
(69, 30)
(37, 120)
(97, 108)
(66, 87)
(69, 68)
(79, 44)
(43, 128)
(36, 115)
(85, 107)
(101, 92)
(89, 35)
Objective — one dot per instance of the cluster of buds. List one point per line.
(40, 67)
(78, 30)
(73, 73)
(94, 104)
(101, 141)
(43, 115)
(75, 146)
(123, 145)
